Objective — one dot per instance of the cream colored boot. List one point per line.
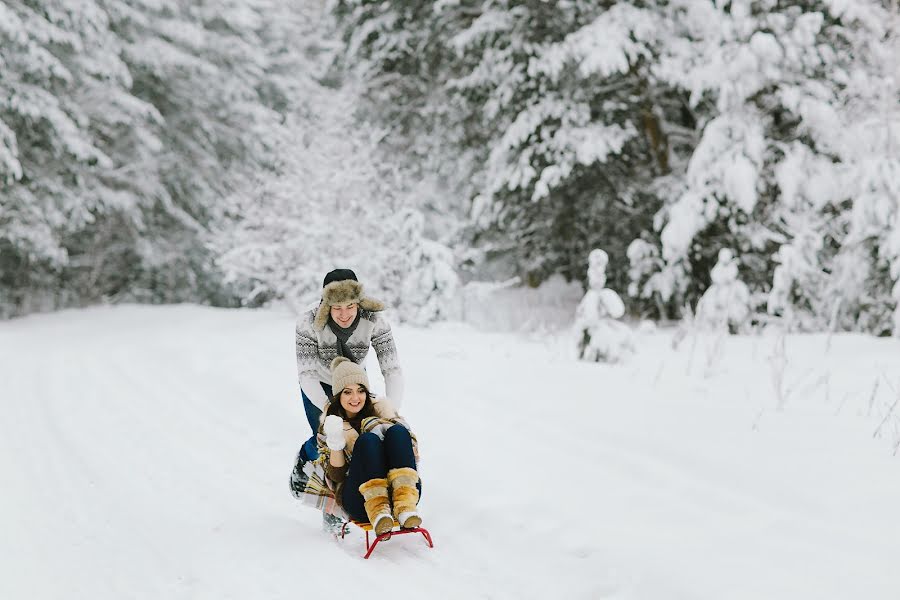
(405, 496)
(378, 506)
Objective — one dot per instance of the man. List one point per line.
(345, 323)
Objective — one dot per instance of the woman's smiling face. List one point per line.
(353, 399)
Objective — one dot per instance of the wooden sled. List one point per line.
(397, 530)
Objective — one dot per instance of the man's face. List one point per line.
(344, 314)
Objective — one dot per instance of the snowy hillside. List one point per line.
(145, 453)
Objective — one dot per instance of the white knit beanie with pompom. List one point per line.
(345, 372)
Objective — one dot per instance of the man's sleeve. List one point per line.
(388, 361)
(307, 346)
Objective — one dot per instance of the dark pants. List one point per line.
(310, 449)
(372, 459)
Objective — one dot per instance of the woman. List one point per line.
(369, 453)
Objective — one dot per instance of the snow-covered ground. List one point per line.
(145, 453)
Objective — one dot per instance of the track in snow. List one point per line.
(145, 453)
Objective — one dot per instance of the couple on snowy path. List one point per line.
(362, 457)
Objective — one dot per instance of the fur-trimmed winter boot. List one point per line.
(378, 506)
(405, 496)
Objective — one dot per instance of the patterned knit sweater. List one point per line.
(316, 348)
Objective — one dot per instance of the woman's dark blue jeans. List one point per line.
(310, 449)
(372, 459)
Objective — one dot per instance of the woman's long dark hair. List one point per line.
(335, 408)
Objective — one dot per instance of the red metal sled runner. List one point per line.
(367, 527)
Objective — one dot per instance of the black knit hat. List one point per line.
(339, 275)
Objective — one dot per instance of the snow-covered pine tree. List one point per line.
(724, 306)
(205, 68)
(599, 336)
(575, 136)
(751, 121)
(866, 271)
(122, 125)
(782, 91)
(327, 208)
(561, 131)
(68, 126)
(336, 201)
(397, 55)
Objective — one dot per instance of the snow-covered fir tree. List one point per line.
(726, 304)
(558, 136)
(337, 201)
(707, 124)
(600, 336)
(785, 170)
(499, 137)
(68, 126)
(122, 124)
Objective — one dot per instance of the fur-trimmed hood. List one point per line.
(343, 292)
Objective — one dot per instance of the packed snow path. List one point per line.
(145, 452)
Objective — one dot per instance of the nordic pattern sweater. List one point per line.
(316, 348)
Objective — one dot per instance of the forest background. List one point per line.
(231, 152)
